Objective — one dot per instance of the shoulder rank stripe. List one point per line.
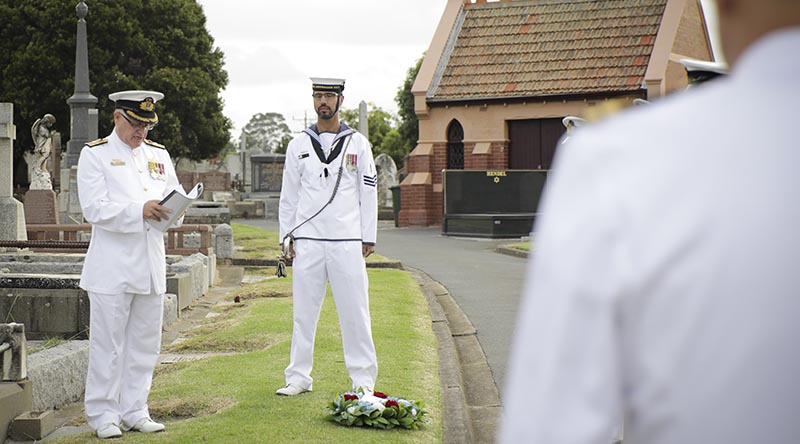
(155, 144)
(97, 142)
(370, 181)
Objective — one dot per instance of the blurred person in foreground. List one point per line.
(665, 282)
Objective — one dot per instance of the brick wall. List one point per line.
(499, 158)
(418, 206)
(212, 180)
(421, 204)
(439, 161)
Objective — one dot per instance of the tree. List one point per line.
(409, 125)
(394, 146)
(349, 116)
(383, 133)
(267, 132)
(284, 144)
(161, 45)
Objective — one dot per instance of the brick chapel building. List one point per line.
(499, 76)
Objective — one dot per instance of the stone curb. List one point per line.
(511, 252)
(470, 400)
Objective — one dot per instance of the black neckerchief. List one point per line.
(338, 142)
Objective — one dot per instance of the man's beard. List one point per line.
(324, 116)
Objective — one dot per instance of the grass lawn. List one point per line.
(255, 243)
(230, 397)
(522, 246)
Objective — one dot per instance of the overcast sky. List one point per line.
(272, 48)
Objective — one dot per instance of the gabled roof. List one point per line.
(530, 48)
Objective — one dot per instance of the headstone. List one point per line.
(74, 212)
(222, 196)
(63, 194)
(94, 122)
(56, 159)
(387, 178)
(12, 213)
(41, 207)
(363, 119)
(223, 246)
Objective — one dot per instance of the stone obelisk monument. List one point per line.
(83, 122)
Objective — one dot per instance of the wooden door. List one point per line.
(532, 143)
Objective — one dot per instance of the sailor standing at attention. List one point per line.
(328, 216)
(121, 180)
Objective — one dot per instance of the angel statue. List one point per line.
(42, 139)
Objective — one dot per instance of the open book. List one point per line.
(177, 201)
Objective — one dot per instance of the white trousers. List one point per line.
(124, 342)
(341, 263)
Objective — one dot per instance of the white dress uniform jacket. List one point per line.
(665, 280)
(125, 255)
(307, 187)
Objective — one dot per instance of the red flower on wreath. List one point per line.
(391, 403)
(380, 395)
(349, 397)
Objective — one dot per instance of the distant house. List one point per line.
(499, 76)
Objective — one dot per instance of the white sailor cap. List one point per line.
(699, 71)
(327, 84)
(139, 105)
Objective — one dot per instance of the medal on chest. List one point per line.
(351, 162)
(157, 170)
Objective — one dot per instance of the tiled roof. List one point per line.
(548, 47)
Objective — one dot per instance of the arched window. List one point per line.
(455, 146)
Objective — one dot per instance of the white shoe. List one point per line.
(109, 430)
(291, 390)
(147, 425)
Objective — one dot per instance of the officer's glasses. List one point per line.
(138, 125)
(320, 96)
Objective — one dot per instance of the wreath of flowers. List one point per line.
(377, 409)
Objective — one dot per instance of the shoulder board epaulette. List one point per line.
(155, 144)
(97, 142)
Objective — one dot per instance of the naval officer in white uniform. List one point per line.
(665, 280)
(331, 237)
(121, 180)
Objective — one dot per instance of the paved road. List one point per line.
(485, 284)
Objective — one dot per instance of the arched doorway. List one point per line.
(455, 146)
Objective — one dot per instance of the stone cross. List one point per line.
(12, 214)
